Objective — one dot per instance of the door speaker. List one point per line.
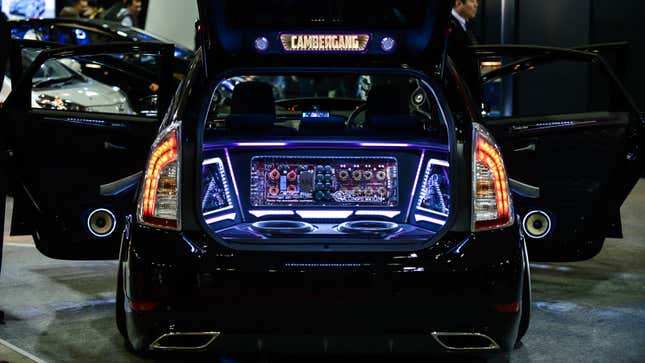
(101, 223)
(537, 224)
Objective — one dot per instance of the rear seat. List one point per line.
(253, 109)
(388, 109)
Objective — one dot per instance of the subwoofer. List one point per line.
(537, 224)
(101, 222)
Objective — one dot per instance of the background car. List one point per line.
(27, 8)
(95, 31)
(59, 86)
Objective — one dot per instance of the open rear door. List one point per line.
(572, 140)
(78, 126)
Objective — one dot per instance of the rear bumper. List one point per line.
(330, 303)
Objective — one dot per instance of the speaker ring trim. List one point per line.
(99, 235)
(529, 214)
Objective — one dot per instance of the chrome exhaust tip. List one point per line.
(465, 341)
(184, 341)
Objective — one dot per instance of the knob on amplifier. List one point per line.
(537, 224)
(101, 222)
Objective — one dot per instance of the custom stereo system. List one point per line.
(338, 181)
(250, 195)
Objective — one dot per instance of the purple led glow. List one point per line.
(212, 161)
(217, 210)
(383, 144)
(382, 213)
(439, 162)
(237, 192)
(260, 144)
(324, 214)
(422, 218)
(262, 213)
(223, 217)
(416, 181)
(336, 144)
(424, 185)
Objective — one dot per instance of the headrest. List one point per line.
(252, 107)
(253, 98)
(388, 100)
(388, 107)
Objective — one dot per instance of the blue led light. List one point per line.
(388, 44)
(261, 44)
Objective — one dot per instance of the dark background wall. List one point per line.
(567, 23)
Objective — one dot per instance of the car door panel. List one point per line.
(62, 158)
(583, 163)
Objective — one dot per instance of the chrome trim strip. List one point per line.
(492, 346)
(523, 189)
(156, 345)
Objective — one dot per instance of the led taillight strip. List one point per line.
(489, 156)
(163, 155)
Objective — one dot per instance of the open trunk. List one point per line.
(326, 161)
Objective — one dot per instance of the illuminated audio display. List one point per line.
(324, 181)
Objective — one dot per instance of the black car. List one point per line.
(322, 182)
(71, 31)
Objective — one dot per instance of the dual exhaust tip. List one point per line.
(185, 341)
(201, 340)
(465, 341)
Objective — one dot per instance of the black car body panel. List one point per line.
(104, 148)
(452, 286)
(584, 164)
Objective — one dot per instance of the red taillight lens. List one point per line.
(159, 202)
(492, 204)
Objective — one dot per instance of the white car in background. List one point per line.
(60, 85)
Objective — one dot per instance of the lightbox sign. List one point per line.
(324, 43)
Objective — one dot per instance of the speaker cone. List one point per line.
(537, 224)
(101, 223)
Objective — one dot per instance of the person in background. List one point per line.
(5, 42)
(111, 11)
(461, 38)
(94, 9)
(75, 9)
(129, 15)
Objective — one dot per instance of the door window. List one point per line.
(105, 83)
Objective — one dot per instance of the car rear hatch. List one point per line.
(251, 31)
(286, 170)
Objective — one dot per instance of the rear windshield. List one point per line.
(356, 13)
(293, 104)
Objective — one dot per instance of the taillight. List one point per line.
(159, 198)
(492, 204)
